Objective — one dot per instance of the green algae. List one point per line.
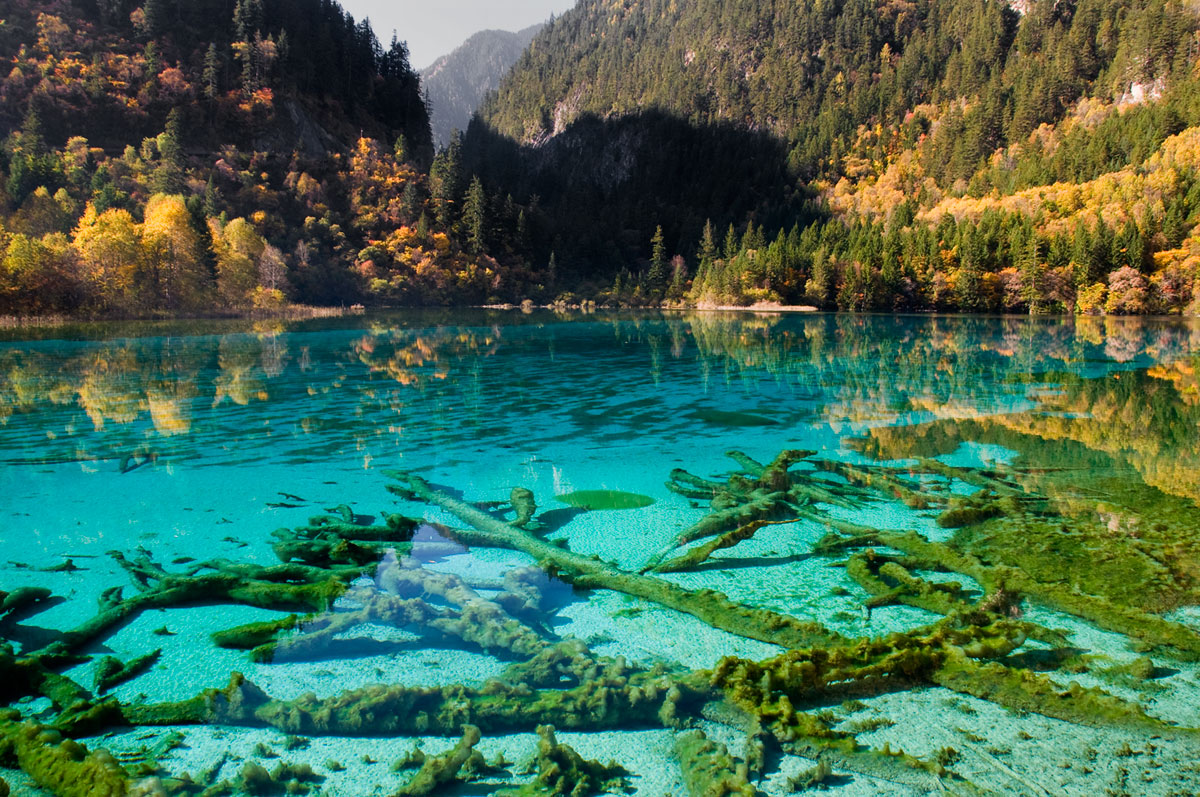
(701, 553)
(61, 766)
(708, 768)
(111, 671)
(438, 771)
(562, 772)
(604, 499)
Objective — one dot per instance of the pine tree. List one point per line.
(212, 73)
(169, 142)
(708, 246)
(445, 179)
(475, 218)
(155, 17)
(168, 176)
(1033, 276)
(731, 243)
(656, 279)
(968, 287)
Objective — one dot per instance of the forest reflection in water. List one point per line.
(107, 397)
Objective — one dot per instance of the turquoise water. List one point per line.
(189, 444)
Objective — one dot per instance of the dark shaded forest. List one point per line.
(903, 128)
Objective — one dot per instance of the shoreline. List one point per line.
(297, 312)
(11, 323)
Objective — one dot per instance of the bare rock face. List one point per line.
(456, 83)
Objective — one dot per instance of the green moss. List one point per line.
(111, 671)
(562, 772)
(63, 767)
(708, 768)
(438, 771)
(1029, 691)
(252, 635)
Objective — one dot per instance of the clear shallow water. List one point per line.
(192, 444)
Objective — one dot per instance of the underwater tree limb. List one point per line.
(700, 554)
(639, 700)
(585, 572)
(762, 507)
(561, 772)
(1029, 691)
(61, 766)
(437, 771)
(1132, 622)
(708, 768)
(276, 587)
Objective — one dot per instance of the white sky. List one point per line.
(433, 28)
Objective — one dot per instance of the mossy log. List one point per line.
(748, 464)
(708, 768)
(21, 599)
(890, 583)
(700, 554)
(277, 587)
(562, 772)
(585, 572)
(439, 771)
(705, 487)
(879, 479)
(760, 506)
(1025, 690)
(111, 671)
(1177, 639)
(640, 700)
(969, 476)
(478, 622)
(775, 689)
(61, 766)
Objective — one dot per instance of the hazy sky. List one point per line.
(433, 28)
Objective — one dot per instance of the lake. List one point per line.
(883, 555)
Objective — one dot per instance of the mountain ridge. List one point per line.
(457, 82)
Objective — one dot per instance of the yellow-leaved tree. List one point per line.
(110, 251)
(175, 274)
(238, 247)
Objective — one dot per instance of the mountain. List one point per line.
(763, 115)
(456, 83)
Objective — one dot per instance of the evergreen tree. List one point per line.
(211, 78)
(1033, 276)
(731, 243)
(445, 179)
(155, 17)
(708, 246)
(475, 218)
(656, 279)
(968, 287)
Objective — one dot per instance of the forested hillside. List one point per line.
(184, 156)
(967, 154)
(456, 83)
(961, 155)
